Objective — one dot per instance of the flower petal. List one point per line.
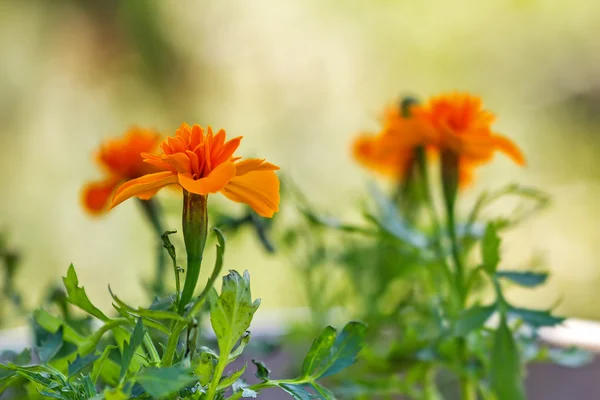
(253, 164)
(142, 185)
(509, 148)
(215, 181)
(228, 149)
(179, 162)
(258, 189)
(96, 195)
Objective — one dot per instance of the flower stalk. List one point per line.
(195, 231)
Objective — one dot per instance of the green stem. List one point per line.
(221, 364)
(152, 211)
(154, 357)
(195, 230)
(171, 348)
(468, 389)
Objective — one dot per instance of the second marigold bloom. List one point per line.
(391, 152)
(462, 127)
(203, 164)
(120, 160)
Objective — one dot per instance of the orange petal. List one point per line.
(215, 181)
(509, 148)
(156, 161)
(253, 164)
(228, 149)
(179, 162)
(96, 195)
(142, 185)
(197, 136)
(258, 189)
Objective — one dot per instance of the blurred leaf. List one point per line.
(526, 279)
(134, 342)
(307, 391)
(78, 297)
(161, 382)
(232, 311)
(535, 318)
(505, 370)
(330, 354)
(262, 371)
(490, 249)
(23, 358)
(229, 380)
(50, 347)
(472, 319)
(80, 363)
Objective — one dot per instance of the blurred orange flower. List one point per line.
(462, 127)
(204, 164)
(391, 152)
(452, 123)
(121, 160)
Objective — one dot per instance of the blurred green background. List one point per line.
(298, 79)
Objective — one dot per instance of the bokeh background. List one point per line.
(298, 79)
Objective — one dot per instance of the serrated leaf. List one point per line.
(49, 347)
(81, 362)
(262, 371)
(472, 319)
(326, 359)
(490, 249)
(146, 312)
(76, 295)
(525, 278)
(232, 311)
(229, 380)
(161, 382)
(536, 318)
(505, 371)
(134, 342)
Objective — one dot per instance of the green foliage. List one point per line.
(490, 249)
(505, 374)
(526, 279)
(161, 382)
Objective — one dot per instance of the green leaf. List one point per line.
(536, 318)
(490, 249)
(23, 358)
(76, 295)
(506, 379)
(240, 348)
(97, 368)
(526, 279)
(262, 371)
(306, 391)
(472, 319)
(319, 351)
(161, 382)
(146, 312)
(329, 354)
(134, 342)
(81, 362)
(50, 346)
(204, 365)
(232, 311)
(229, 380)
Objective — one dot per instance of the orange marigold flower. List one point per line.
(204, 164)
(121, 160)
(391, 152)
(463, 127)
